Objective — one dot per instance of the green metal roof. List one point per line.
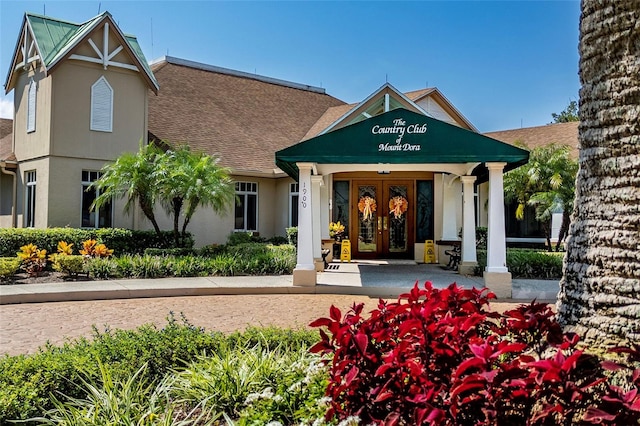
(401, 136)
(54, 38)
(53, 35)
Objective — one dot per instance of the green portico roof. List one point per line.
(401, 136)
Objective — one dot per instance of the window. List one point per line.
(246, 209)
(293, 204)
(101, 106)
(30, 199)
(103, 218)
(31, 107)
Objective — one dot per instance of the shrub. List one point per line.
(71, 265)
(33, 259)
(236, 238)
(255, 384)
(278, 240)
(150, 353)
(212, 250)
(177, 251)
(102, 268)
(524, 263)
(292, 235)
(8, 267)
(481, 237)
(439, 357)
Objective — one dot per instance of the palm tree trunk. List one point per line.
(177, 207)
(600, 289)
(147, 209)
(564, 228)
(546, 228)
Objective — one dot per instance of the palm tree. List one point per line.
(600, 289)
(187, 180)
(130, 176)
(546, 182)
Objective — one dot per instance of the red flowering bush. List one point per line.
(440, 357)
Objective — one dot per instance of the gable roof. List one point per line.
(335, 115)
(358, 112)
(240, 117)
(55, 39)
(559, 133)
(435, 94)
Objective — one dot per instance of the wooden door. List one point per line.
(383, 215)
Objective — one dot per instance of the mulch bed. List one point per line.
(45, 277)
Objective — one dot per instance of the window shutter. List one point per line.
(31, 107)
(101, 106)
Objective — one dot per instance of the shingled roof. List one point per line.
(559, 133)
(240, 117)
(6, 133)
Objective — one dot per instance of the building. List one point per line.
(397, 168)
(81, 94)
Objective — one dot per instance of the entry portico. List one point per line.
(395, 180)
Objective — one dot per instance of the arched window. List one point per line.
(101, 106)
(31, 107)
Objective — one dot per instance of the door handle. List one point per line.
(385, 224)
(379, 223)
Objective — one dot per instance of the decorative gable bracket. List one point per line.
(104, 56)
(28, 50)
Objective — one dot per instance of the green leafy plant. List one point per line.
(292, 235)
(109, 401)
(103, 268)
(526, 263)
(28, 381)
(236, 238)
(254, 384)
(8, 267)
(71, 265)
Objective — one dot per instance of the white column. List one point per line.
(304, 273)
(497, 276)
(468, 259)
(316, 182)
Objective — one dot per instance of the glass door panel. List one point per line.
(367, 211)
(396, 218)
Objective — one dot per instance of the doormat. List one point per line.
(333, 266)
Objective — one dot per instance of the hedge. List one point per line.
(524, 263)
(122, 241)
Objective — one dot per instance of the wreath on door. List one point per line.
(367, 206)
(398, 205)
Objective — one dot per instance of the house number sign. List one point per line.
(399, 129)
(303, 199)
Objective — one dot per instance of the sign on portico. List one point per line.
(397, 130)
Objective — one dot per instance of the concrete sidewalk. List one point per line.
(375, 278)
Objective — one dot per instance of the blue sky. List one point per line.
(503, 64)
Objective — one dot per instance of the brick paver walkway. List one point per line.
(25, 327)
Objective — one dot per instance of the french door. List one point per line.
(384, 219)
